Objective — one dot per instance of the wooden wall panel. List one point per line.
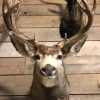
(73, 65)
(44, 10)
(83, 69)
(79, 84)
(9, 66)
(44, 34)
(51, 1)
(72, 97)
(90, 48)
(44, 21)
(85, 97)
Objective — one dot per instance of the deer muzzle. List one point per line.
(49, 70)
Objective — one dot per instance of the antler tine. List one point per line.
(10, 14)
(94, 7)
(82, 33)
(84, 29)
(85, 10)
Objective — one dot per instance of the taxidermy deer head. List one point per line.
(49, 68)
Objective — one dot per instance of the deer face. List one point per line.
(48, 64)
(48, 59)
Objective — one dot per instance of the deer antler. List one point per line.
(82, 33)
(10, 16)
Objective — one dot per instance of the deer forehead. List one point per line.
(49, 50)
(50, 59)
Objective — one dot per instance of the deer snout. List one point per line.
(49, 70)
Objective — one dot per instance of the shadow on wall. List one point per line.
(60, 12)
(3, 33)
(9, 94)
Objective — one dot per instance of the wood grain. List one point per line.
(76, 65)
(83, 69)
(79, 84)
(44, 10)
(90, 48)
(15, 98)
(72, 97)
(44, 34)
(51, 1)
(44, 21)
(85, 97)
(73, 65)
(12, 66)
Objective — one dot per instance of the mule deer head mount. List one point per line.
(49, 57)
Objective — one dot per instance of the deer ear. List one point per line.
(78, 45)
(24, 47)
(74, 48)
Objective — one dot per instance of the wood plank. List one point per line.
(44, 21)
(15, 98)
(90, 48)
(7, 49)
(47, 10)
(51, 1)
(15, 85)
(76, 65)
(72, 97)
(73, 65)
(44, 34)
(44, 10)
(9, 66)
(84, 84)
(85, 97)
(79, 84)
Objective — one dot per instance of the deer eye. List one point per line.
(59, 57)
(36, 57)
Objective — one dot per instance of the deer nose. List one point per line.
(49, 70)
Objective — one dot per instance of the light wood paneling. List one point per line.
(83, 69)
(90, 48)
(45, 10)
(44, 21)
(44, 34)
(14, 66)
(73, 65)
(79, 84)
(51, 1)
(72, 97)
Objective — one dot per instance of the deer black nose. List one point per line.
(49, 70)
